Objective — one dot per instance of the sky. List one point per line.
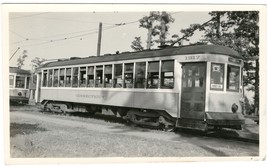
(55, 35)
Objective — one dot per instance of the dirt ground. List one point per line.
(36, 134)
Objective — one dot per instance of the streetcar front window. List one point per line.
(20, 82)
(153, 75)
(167, 74)
(140, 75)
(217, 76)
(233, 78)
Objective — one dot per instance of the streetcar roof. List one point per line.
(19, 71)
(183, 50)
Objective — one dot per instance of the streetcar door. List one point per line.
(193, 90)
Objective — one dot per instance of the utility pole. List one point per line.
(99, 39)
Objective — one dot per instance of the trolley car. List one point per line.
(19, 80)
(194, 86)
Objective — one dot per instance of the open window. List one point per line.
(82, 73)
(50, 77)
(233, 78)
(90, 77)
(140, 73)
(167, 74)
(153, 75)
(118, 76)
(75, 77)
(55, 78)
(108, 76)
(68, 77)
(128, 75)
(99, 77)
(217, 76)
(62, 77)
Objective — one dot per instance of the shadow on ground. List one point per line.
(22, 129)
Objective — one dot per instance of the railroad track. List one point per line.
(227, 134)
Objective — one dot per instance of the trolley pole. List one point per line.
(14, 53)
(99, 39)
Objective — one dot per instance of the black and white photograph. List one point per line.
(145, 82)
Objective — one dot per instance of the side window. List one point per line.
(20, 82)
(44, 78)
(82, 74)
(11, 81)
(68, 77)
(108, 76)
(99, 77)
(75, 77)
(153, 75)
(90, 77)
(118, 76)
(217, 76)
(233, 77)
(55, 78)
(140, 73)
(167, 74)
(50, 78)
(62, 77)
(128, 75)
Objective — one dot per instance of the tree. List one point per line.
(137, 44)
(21, 59)
(239, 31)
(157, 24)
(36, 62)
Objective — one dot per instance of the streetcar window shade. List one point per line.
(11, 81)
(153, 75)
(56, 78)
(233, 78)
(68, 77)
(108, 76)
(128, 75)
(82, 76)
(140, 73)
(99, 76)
(75, 77)
(217, 76)
(153, 66)
(167, 74)
(20, 82)
(45, 78)
(118, 76)
(50, 78)
(90, 77)
(62, 77)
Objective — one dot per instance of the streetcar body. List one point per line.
(19, 80)
(195, 86)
